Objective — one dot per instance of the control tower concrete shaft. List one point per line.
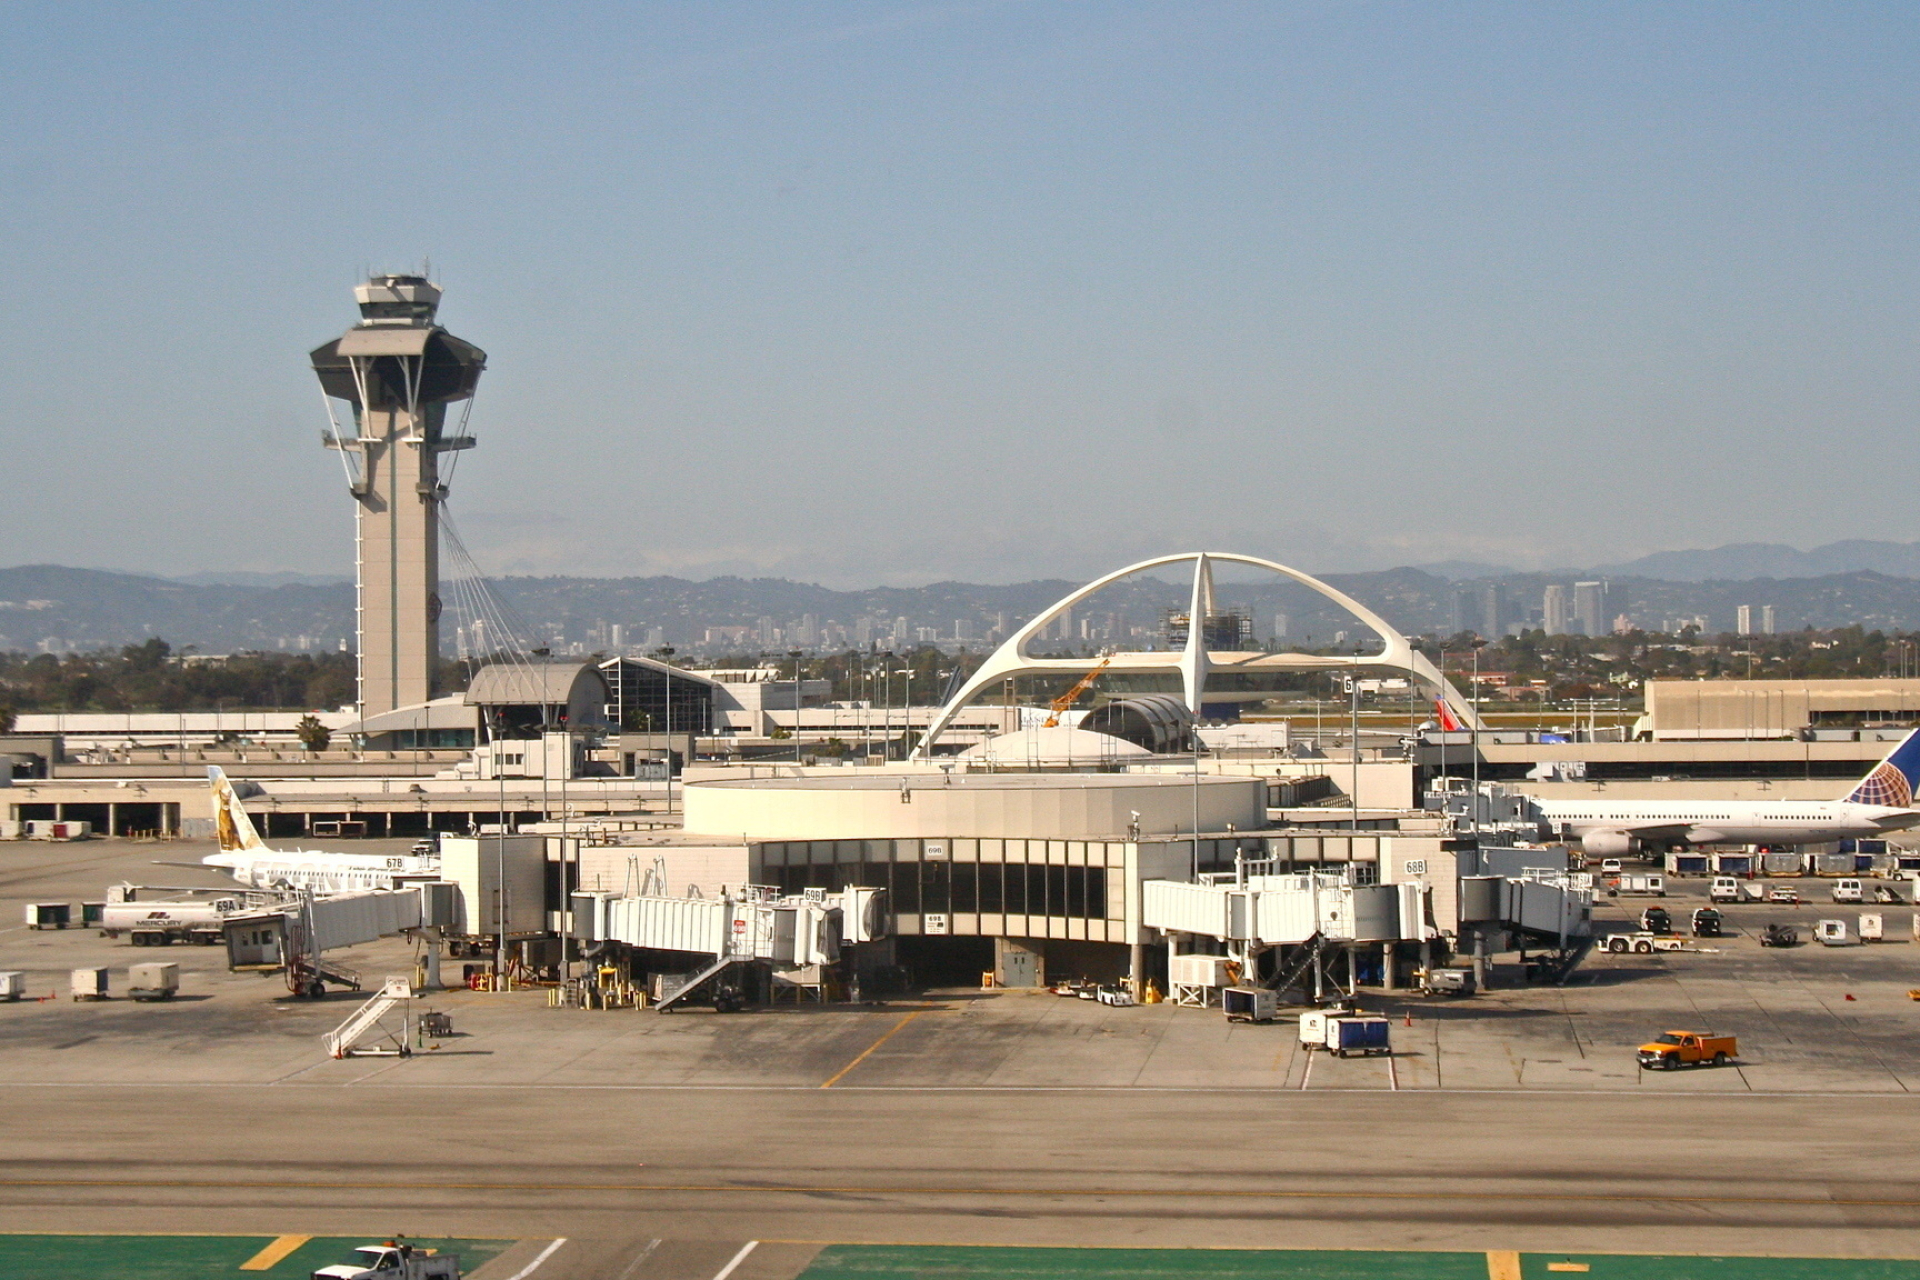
(399, 371)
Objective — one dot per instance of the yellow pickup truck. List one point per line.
(1688, 1049)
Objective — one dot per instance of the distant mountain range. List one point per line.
(57, 609)
(1745, 560)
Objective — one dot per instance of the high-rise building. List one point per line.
(1767, 620)
(1591, 616)
(1743, 620)
(399, 370)
(1553, 610)
(1495, 613)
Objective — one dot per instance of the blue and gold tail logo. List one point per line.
(1892, 781)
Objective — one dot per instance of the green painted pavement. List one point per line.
(192, 1257)
(873, 1262)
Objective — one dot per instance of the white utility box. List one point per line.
(89, 984)
(1249, 1004)
(13, 984)
(1872, 926)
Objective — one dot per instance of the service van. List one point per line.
(1846, 890)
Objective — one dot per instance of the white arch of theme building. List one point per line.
(1195, 661)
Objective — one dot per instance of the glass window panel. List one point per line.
(1096, 893)
(1036, 890)
(906, 888)
(1016, 888)
(992, 899)
(936, 887)
(965, 878)
(1076, 878)
(1056, 891)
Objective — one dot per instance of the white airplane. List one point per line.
(246, 857)
(1882, 802)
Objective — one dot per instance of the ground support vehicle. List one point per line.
(1724, 889)
(1833, 933)
(1784, 894)
(1888, 895)
(392, 1261)
(1849, 890)
(153, 981)
(160, 923)
(1707, 923)
(1635, 885)
(1687, 1049)
(1342, 1034)
(1644, 942)
(1656, 920)
(1779, 935)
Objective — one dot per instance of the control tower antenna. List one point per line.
(399, 371)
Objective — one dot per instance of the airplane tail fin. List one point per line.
(230, 822)
(1443, 715)
(1894, 780)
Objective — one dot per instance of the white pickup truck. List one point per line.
(394, 1262)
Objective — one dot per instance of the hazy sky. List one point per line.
(869, 293)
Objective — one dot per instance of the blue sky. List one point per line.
(872, 293)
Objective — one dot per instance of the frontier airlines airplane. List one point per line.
(1880, 803)
(246, 857)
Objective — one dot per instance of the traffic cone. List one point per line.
(1409, 1021)
(1849, 995)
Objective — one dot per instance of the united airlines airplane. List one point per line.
(246, 857)
(1882, 802)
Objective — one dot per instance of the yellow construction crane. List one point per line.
(1067, 699)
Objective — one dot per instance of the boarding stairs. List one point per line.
(720, 964)
(372, 1030)
(1299, 964)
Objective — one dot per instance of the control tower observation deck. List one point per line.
(399, 371)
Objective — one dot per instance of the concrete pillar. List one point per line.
(59, 813)
(1388, 978)
(113, 818)
(1353, 968)
(1136, 967)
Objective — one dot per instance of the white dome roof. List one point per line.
(1053, 747)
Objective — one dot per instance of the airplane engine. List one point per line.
(1608, 844)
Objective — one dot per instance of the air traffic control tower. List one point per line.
(399, 371)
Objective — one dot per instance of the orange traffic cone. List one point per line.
(1409, 1021)
(1849, 995)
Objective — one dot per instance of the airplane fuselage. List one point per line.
(322, 872)
(1786, 822)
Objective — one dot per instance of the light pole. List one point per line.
(886, 706)
(795, 655)
(1353, 699)
(665, 654)
(1478, 644)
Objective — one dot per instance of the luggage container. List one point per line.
(49, 915)
(13, 984)
(1451, 982)
(1753, 891)
(1635, 884)
(1686, 863)
(1872, 926)
(155, 981)
(89, 984)
(1733, 864)
(91, 913)
(1830, 864)
(1249, 1004)
(1781, 862)
(1343, 1034)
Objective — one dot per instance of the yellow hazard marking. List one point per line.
(1568, 1266)
(835, 1077)
(269, 1257)
(1503, 1264)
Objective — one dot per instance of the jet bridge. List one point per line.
(756, 925)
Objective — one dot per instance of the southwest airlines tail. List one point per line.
(230, 821)
(1449, 722)
(1895, 779)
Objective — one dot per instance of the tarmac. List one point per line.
(1514, 1122)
